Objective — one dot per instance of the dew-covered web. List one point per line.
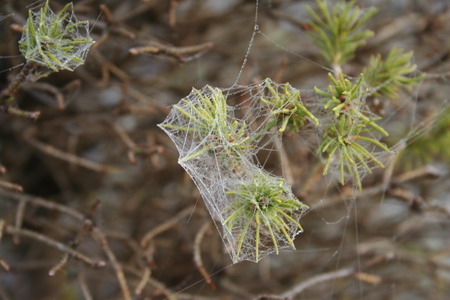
(53, 41)
(65, 44)
(218, 145)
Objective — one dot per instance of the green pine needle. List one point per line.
(396, 71)
(337, 30)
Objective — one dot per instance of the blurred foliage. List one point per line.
(431, 145)
(387, 76)
(336, 30)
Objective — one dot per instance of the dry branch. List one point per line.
(68, 157)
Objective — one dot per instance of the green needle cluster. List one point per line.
(345, 139)
(286, 107)
(263, 212)
(387, 76)
(337, 30)
(55, 41)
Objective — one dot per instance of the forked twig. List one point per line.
(55, 244)
(96, 233)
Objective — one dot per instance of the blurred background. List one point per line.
(92, 193)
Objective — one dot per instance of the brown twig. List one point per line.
(159, 286)
(10, 186)
(278, 77)
(376, 189)
(19, 219)
(55, 244)
(315, 280)
(59, 265)
(68, 157)
(165, 226)
(11, 90)
(198, 255)
(4, 265)
(179, 53)
(83, 285)
(86, 228)
(143, 282)
(110, 67)
(107, 14)
(41, 202)
(173, 13)
(17, 112)
(314, 176)
(284, 160)
(48, 88)
(133, 148)
(96, 233)
(100, 236)
(428, 171)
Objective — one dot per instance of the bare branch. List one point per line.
(10, 186)
(68, 157)
(198, 256)
(165, 226)
(55, 244)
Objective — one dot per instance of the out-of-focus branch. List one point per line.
(10, 186)
(55, 244)
(180, 53)
(68, 157)
(198, 256)
(165, 226)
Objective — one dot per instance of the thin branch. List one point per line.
(17, 112)
(83, 286)
(68, 157)
(133, 148)
(284, 160)
(110, 67)
(299, 288)
(159, 286)
(50, 89)
(59, 265)
(55, 244)
(143, 282)
(173, 13)
(19, 219)
(165, 226)
(37, 201)
(198, 256)
(377, 189)
(10, 186)
(100, 236)
(179, 53)
(4, 265)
